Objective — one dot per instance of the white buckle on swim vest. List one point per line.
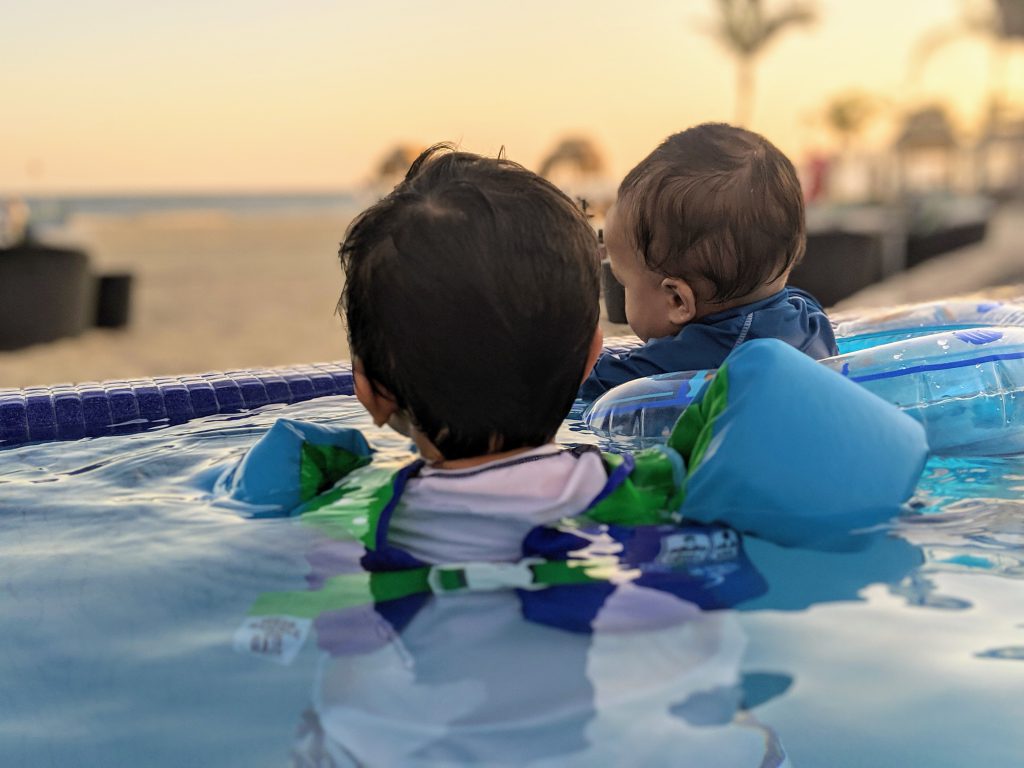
(485, 577)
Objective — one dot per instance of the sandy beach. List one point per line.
(217, 291)
(212, 291)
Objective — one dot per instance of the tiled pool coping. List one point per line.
(92, 409)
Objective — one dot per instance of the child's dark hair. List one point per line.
(471, 295)
(718, 203)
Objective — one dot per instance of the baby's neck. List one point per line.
(709, 308)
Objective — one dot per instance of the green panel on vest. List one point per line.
(321, 466)
(647, 497)
(692, 434)
(352, 510)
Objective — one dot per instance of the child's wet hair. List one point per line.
(717, 205)
(471, 295)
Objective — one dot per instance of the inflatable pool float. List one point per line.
(859, 330)
(964, 387)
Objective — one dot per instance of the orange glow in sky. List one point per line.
(275, 94)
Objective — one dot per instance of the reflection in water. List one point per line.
(1015, 652)
(467, 680)
(624, 670)
(919, 590)
(953, 487)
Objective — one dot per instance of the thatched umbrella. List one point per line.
(396, 162)
(577, 153)
(925, 132)
(927, 128)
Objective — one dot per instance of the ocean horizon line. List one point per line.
(49, 210)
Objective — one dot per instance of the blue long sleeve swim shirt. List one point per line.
(792, 315)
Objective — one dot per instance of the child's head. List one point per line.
(712, 218)
(471, 298)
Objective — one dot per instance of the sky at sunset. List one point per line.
(121, 95)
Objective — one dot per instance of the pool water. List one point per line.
(124, 585)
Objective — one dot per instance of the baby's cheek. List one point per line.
(635, 309)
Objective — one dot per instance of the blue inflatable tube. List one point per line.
(123, 407)
(966, 388)
(885, 326)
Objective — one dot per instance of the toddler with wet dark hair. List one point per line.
(471, 297)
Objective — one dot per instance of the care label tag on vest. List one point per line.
(277, 638)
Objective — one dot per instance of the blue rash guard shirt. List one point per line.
(791, 315)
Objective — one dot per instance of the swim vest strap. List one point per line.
(483, 577)
(352, 589)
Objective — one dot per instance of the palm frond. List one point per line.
(789, 17)
(970, 25)
(746, 26)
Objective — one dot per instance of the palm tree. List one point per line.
(745, 28)
(1001, 24)
(847, 114)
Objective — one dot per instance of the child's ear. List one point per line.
(377, 400)
(596, 346)
(682, 303)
